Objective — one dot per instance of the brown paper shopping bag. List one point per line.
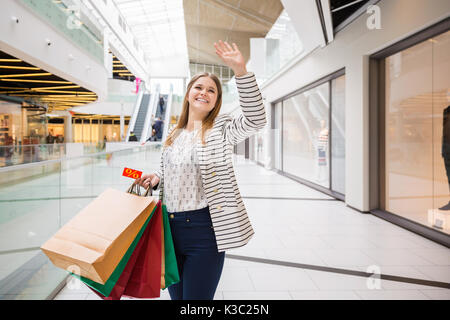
(95, 240)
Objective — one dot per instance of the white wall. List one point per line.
(170, 67)
(351, 49)
(26, 40)
(107, 108)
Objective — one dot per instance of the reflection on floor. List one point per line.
(322, 232)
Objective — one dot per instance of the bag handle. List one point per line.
(135, 188)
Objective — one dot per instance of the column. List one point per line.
(68, 133)
(122, 123)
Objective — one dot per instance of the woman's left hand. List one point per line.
(232, 57)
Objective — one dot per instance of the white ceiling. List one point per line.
(173, 32)
(159, 28)
(208, 21)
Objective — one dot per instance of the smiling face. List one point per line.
(203, 96)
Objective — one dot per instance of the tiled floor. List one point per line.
(320, 232)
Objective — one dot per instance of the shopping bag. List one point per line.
(146, 245)
(93, 242)
(169, 272)
(144, 286)
(163, 255)
(144, 281)
(115, 285)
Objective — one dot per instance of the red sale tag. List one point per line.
(131, 173)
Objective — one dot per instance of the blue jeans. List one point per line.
(199, 263)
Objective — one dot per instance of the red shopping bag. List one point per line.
(141, 275)
(145, 280)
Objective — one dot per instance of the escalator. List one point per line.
(161, 111)
(146, 113)
(141, 116)
(157, 124)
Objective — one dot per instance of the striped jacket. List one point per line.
(231, 224)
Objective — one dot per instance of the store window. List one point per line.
(260, 145)
(55, 128)
(22, 130)
(417, 133)
(308, 134)
(10, 123)
(305, 135)
(94, 131)
(276, 135)
(21, 126)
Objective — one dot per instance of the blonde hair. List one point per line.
(208, 121)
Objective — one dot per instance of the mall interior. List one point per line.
(347, 185)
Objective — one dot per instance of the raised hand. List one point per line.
(232, 57)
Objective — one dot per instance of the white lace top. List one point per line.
(183, 186)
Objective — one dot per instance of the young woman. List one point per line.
(197, 181)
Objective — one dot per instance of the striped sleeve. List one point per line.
(253, 116)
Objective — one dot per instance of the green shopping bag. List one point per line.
(169, 272)
(169, 267)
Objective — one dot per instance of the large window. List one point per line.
(94, 131)
(260, 146)
(276, 135)
(305, 135)
(417, 133)
(308, 134)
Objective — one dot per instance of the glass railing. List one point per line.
(94, 147)
(12, 155)
(37, 199)
(65, 21)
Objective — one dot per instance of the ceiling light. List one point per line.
(39, 81)
(19, 68)
(26, 75)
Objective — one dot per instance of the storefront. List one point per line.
(413, 149)
(21, 125)
(98, 130)
(308, 135)
(22, 128)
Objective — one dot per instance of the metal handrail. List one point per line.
(136, 110)
(150, 111)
